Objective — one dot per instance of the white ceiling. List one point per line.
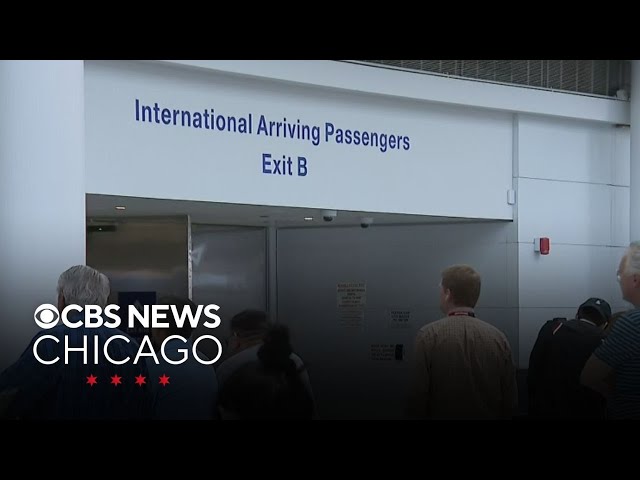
(103, 207)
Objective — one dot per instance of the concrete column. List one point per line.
(42, 190)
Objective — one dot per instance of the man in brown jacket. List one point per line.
(463, 367)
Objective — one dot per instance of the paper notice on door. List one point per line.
(387, 352)
(399, 318)
(352, 300)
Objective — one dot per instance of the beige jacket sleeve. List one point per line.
(418, 404)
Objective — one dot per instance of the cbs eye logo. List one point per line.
(49, 316)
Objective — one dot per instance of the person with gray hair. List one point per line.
(614, 368)
(82, 285)
(81, 388)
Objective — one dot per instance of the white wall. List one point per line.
(42, 198)
(378, 80)
(401, 266)
(573, 187)
(455, 154)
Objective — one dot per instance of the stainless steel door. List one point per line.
(229, 269)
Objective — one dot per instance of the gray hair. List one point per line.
(633, 258)
(82, 285)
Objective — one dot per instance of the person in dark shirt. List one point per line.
(614, 368)
(194, 387)
(33, 390)
(557, 359)
(269, 388)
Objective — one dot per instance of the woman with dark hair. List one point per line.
(270, 388)
(250, 329)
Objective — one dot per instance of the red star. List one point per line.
(115, 380)
(164, 380)
(91, 380)
(140, 380)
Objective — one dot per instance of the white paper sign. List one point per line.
(399, 318)
(387, 352)
(352, 300)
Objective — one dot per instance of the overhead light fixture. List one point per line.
(308, 219)
(121, 208)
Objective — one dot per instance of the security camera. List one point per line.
(365, 222)
(329, 215)
(622, 94)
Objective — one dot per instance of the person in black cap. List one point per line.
(557, 359)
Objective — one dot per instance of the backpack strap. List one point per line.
(558, 322)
